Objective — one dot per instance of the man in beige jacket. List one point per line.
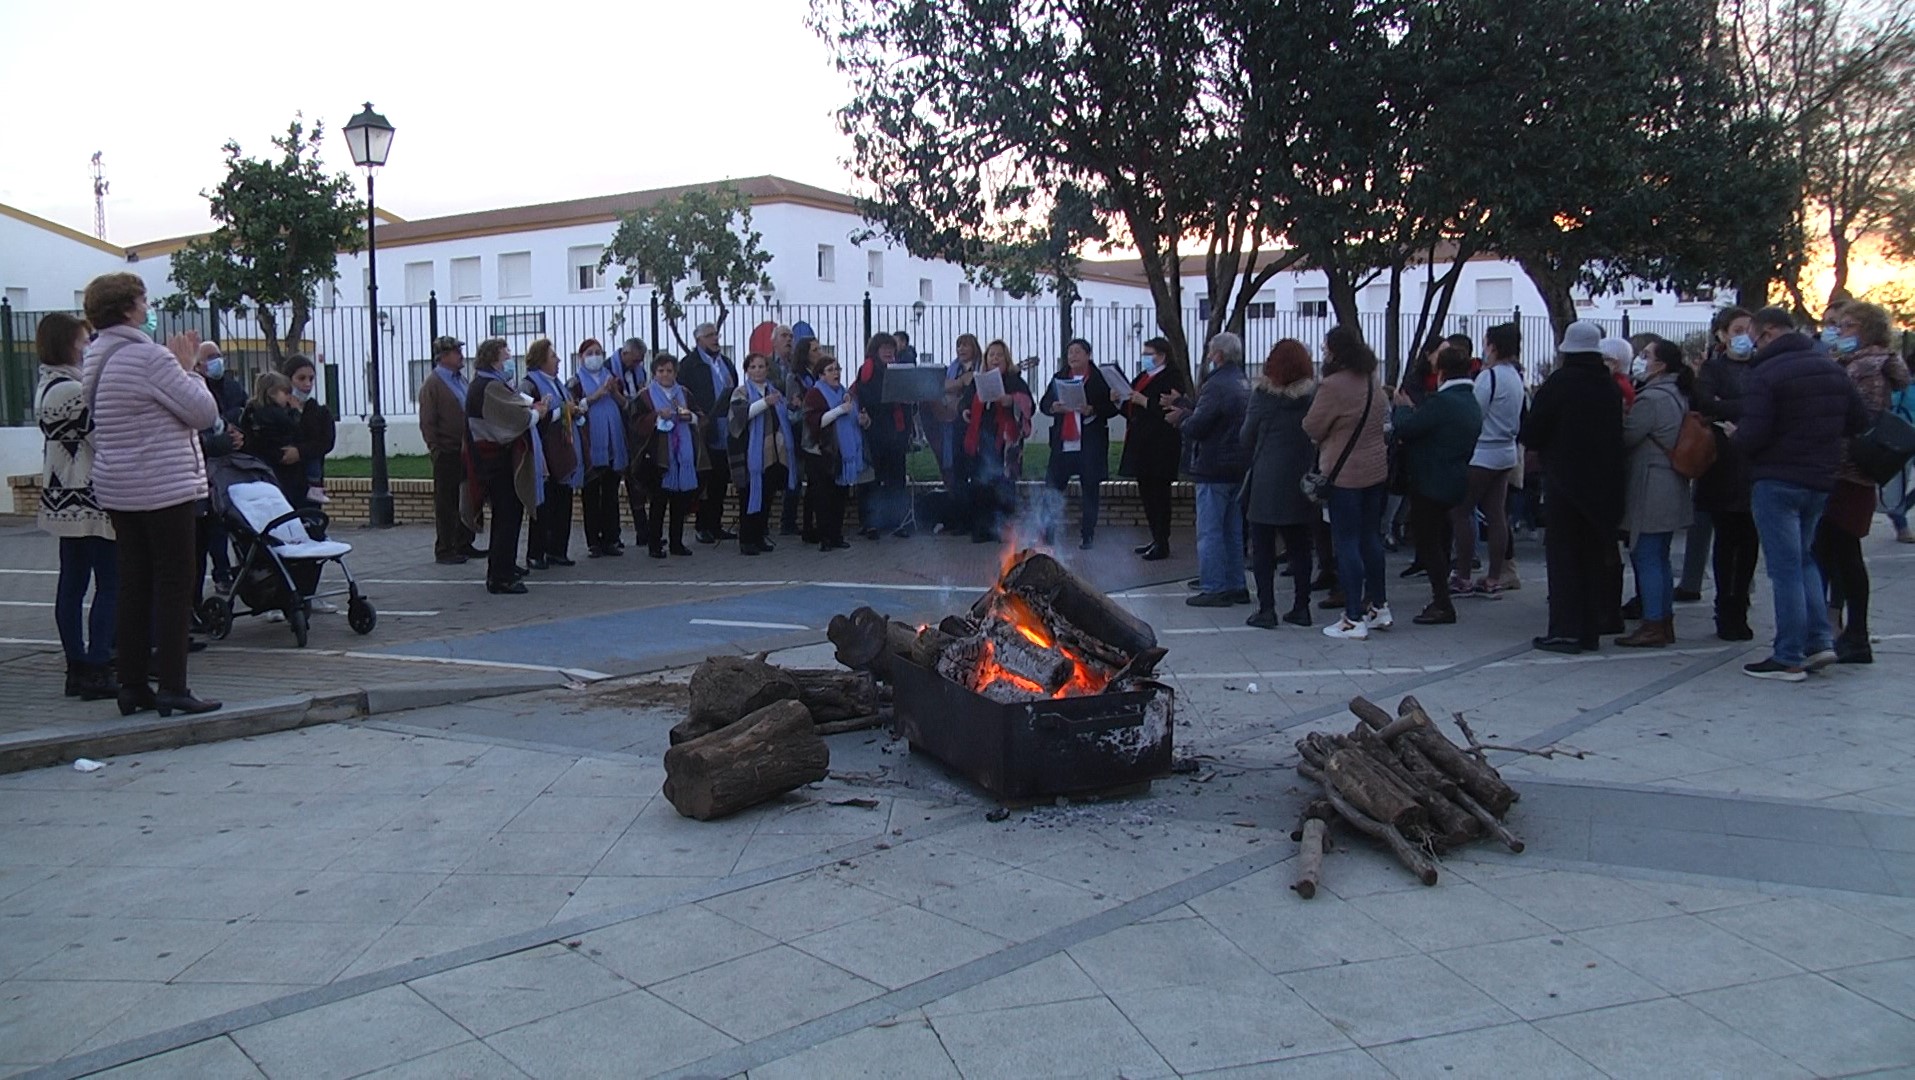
(442, 424)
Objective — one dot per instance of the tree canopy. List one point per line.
(695, 246)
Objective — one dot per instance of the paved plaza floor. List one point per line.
(1721, 884)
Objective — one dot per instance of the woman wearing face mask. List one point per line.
(669, 455)
(604, 454)
(148, 410)
(836, 426)
(499, 423)
(1656, 500)
(557, 464)
(316, 433)
(1861, 347)
(1723, 491)
(68, 511)
(761, 453)
(1153, 446)
(798, 383)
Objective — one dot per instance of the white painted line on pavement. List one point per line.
(653, 583)
(583, 674)
(26, 603)
(48, 573)
(1430, 669)
(749, 625)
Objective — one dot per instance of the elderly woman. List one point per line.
(836, 426)
(1153, 447)
(557, 464)
(1346, 422)
(668, 455)
(499, 423)
(1280, 453)
(148, 410)
(1656, 500)
(1080, 435)
(600, 394)
(69, 511)
(761, 451)
(1861, 347)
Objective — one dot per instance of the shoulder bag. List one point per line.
(1316, 484)
(1694, 453)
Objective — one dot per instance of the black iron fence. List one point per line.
(340, 337)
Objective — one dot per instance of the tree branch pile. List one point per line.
(1401, 781)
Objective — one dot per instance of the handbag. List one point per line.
(1316, 485)
(1694, 453)
(1881, 452)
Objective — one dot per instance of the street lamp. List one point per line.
(369, 137)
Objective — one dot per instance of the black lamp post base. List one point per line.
(379, 510)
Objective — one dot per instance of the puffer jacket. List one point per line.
(1655, 499)
(1798, 409)
(1212, 430)
(1878, 375)
(1280, 453)
(147, 415)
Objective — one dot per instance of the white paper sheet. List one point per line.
(990, 386)
(1070, 394)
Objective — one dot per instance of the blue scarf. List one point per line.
(455, 380)
(538, 451)
(850, 439)
(604, 427)
(681, 453)
(755, 448)
(554, 396)
(721, 386)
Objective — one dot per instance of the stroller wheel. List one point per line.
(296, 618)
(360, 615)
(216, 614)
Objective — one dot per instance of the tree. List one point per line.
(690, 242)
(282, 225)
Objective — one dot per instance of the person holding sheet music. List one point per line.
(1153, 446)
(669, 455)
(802, 376)
(942, 428)
(994, 419)
(761, 453)
(835, 428)
(1080, 401)
(887, 439)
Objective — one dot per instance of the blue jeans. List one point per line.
(1653, 581)
(1356, 532)
(1219, 538)
(83, 559)
(316, 472)
(1785, 517)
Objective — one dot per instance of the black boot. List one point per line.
(1299, 614)
(100, 683)
(77, 673)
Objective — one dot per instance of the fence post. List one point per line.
(1625, 322)
(656, 343)
(867, 321)
(16, 413)
(432, 318)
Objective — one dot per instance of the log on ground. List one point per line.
(769, 752)
(727, 688)
(835, 695)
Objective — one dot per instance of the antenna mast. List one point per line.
(99, 197)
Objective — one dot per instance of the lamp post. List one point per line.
(369, 137)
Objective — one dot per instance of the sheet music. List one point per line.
(1118, 381)
(1070, 394)
(990, 386)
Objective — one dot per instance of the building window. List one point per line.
(18, 299)
(79, 299)
(964, 294)
(328, 294)
(1203, 309)
(827, 262)
(465, 278)
(997, 297)
(418, 282)
(585, 275)
(1702, 294)
(515, 274)
(1582, 297)
(1261, 309)
(924, 290)
(1314, 302)
(1495, 295)
(874, 269)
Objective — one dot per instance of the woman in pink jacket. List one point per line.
(148, 410)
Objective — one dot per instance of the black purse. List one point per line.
(1884, 450)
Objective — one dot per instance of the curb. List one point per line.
(257, 718)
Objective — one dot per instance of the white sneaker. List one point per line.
(275, 616)
(1379, 618)
(326, 606)
(317, 495)
(1346, 630)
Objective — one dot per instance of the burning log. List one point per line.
(868, 640)
(1041, 579)
(1401, 780)
(766, 754)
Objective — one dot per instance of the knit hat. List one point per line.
(1617, 350)
(1581, 337)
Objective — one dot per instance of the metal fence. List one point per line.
(340, 337)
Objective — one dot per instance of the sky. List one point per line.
(494, 105)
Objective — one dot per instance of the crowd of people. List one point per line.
(1319, 467)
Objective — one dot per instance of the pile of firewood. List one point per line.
(755, 731)
(1402, 781)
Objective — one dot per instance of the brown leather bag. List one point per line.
(1695, 450)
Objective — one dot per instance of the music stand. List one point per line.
(912, 385)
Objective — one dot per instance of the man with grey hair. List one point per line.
(709, 377)
(1212, 429)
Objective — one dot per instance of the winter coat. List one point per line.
(270, 430)
(67, 506)
(702, 390)
(1575, 426)
(1878, 375)
(499, 424)
(147, 415)
(1332, 421)
(1437, 439)
(1093, 430)
(1153, 447)
(1279, 453)
(1655, 498)
(1724, 489)
(1798, 409)
(1500, 394)
(441, 417)
(1214, 429)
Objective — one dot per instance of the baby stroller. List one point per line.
(279, 561)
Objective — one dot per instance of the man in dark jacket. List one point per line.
(1437, 439)
(1575, 426)
(1211, 429)
(1798, 408)
(709, 377)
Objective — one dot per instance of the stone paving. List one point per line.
(1724, 884)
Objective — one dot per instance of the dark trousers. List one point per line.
(1430, 526)
(1154, 492)
(450, 536)
(639, 498)
(1063, 466)
(713, 482)
(1737, 548)
(833, 498)
(754, 526)
(1263, 563)
(87, 636)
(508, 514)
(1840, 556)
(788, 520)
(155, 549)
(599, 499)
(551, 535)
(881, 505)
(1576, 550)
(677, 503)
(1324, 542)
